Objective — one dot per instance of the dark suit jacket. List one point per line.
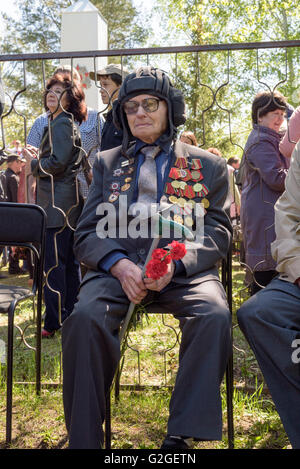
(200, 264)
(111, 137)
(11, 185)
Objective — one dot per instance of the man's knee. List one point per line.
(216, 319)
(257, 309)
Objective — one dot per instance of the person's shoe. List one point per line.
(176, 442)
(47, 334)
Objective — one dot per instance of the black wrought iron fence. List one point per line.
(219, 85)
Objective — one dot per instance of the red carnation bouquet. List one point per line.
(157, 267)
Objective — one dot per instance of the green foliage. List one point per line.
(232, 78)
(37, 30)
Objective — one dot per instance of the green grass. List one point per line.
(139, 418)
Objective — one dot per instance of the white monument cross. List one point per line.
(83, 28)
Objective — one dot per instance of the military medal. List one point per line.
(177, 210)
(175, 184)
(205, 202)
(197, 187)
(169, 189)
(129, 179)
(188, 221)
(174, 173)
(190, 204)
(173, 199)
(178, 219)
(204, 190)
(196, 164)
(189, 192)
(181, 162)
(181, 202)
(185, 174)
(188, 209)
(196, 175)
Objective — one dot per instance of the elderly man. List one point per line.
(149, 109)
(110, 78)
(270, 319)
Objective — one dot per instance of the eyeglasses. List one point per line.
(148, 104)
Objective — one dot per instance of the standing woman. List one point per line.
(264, 171)
(57, 192)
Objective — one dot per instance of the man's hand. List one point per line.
(297, 282)
(158, 285)
(130, 277)
(30, 152)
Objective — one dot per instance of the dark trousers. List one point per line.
(91, 352)
(270, 321)
(63, 277)
(261, 279)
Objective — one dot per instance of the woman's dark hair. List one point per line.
(190, 136)
(116, 78)
(75, 95)
(265, 102)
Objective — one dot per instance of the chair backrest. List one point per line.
(25, 225)
(21, 224)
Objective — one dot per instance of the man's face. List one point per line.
(17, 166)
(148, 126)
(110, 90)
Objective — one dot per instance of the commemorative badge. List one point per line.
(118, 172)
(115, 186)
(113, 196)
(125, 187)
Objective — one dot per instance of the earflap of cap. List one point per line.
(120, 122)
(178, 107)
(116, 111)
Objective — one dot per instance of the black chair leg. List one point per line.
(229, 401)
(38, 342)
(107, 422)
(9, 379)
